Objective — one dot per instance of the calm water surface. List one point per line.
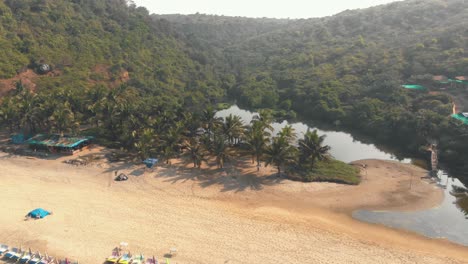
(343, 146)
(446, 221)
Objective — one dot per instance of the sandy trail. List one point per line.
(212, 216)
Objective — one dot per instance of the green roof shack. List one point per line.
(414, 87)
(58, 144)
(462, 117)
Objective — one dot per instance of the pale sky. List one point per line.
(257, 8)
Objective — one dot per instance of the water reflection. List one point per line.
(343, 146)
(446, 221)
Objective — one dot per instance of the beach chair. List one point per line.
(3, 249)
(14, 254)
(151, 261)
(47, 260)
(138, 259)
(26, 257)
(125, 259)
(36, 259)
(66, 261)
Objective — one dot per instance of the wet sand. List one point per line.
(214, 216)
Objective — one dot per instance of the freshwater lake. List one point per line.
(445, 221)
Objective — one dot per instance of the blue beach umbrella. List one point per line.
(150, 162)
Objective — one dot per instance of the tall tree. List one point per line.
(210, 121)
(220, 151)
(311, 148)
(279, 153)
(146, 142)
(233, 128)
(256, 140)
(196, 151)
(288, 133)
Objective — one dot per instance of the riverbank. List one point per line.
(213, 216)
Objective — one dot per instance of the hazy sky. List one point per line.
(257, 8)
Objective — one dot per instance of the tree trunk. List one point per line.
(279, 171)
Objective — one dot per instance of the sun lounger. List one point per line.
(47, 260)
(151, 261)
(66, 261)
(14, 254)
(26, 256)
(3, 249)
(125, 259)
(36, 258)
(138, 259)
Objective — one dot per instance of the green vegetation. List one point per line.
(348, 69)
(345, 70)
(331, 171)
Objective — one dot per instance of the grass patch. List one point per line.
(222, 106)
(329, 171)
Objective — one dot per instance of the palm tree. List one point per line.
(63, 119)
(220, 151)
(279, 153)
(264, 118)
(210, 121)
(146, 142)
(196, 152)
(172, 141)
(233, 128)
(256, 140)
(9, 113)
(288, 133)
(311, 148)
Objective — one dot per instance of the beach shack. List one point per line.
(462, 80)
(462, 117)
(58, 144)
(414, 87)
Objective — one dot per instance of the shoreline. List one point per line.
(230, 215)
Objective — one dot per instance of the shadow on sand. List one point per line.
(230, 178)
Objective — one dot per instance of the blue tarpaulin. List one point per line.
(38, 213)
(150, 162)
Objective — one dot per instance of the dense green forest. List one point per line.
(345, 70)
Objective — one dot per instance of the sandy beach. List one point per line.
(215, 216)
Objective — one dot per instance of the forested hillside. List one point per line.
(348, 69)
(109, 68)
(75, 36)
(130, 75)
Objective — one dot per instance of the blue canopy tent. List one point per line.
(150, 163)
(38, 213)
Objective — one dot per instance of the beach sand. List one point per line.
(214, 216)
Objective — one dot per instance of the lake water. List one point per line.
(445, 221)
(343, 146)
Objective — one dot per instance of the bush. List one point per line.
(327, 171)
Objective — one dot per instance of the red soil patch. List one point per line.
(27, 78)
(107, 78)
